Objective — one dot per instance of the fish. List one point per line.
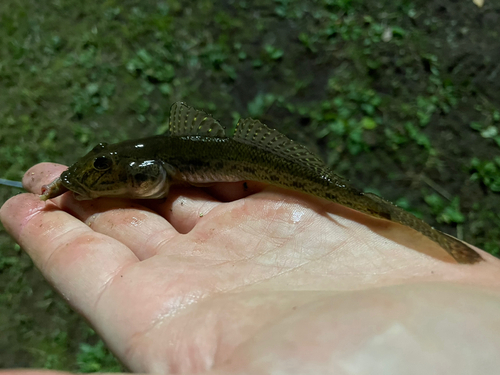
(197, 151)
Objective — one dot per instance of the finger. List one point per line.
(41, 174)
(141, 229)
(136, 226)
(231, 191)
(76, 260)
(186, 205)
(184, 208)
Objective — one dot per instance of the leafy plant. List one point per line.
(445, 212)
(96, 358)
(486, 172)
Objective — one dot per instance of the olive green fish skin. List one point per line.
(204, 160)
(146, 168)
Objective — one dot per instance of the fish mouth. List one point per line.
(80, 192)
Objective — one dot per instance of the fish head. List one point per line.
(107, 172)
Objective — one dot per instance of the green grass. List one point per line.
(389, 93)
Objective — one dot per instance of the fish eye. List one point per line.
(102, 163)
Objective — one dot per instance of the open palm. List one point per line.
(248, 279)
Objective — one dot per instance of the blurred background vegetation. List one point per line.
(401, 97)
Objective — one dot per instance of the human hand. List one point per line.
(259, 281)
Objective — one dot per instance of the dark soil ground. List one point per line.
(401, 97)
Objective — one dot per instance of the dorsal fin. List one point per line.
(185, 120)
(255, 133)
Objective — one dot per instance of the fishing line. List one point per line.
(17, 184)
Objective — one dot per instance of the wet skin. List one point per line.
(232, 281)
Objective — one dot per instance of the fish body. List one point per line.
(197, 151)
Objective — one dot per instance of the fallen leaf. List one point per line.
(479, 3)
